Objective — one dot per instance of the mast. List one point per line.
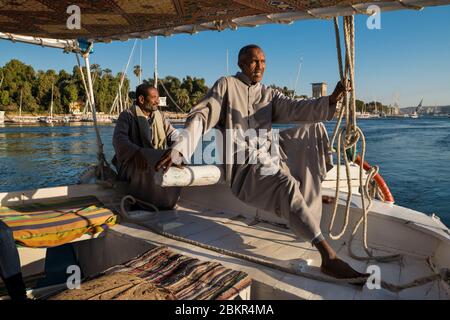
(374, 105)
(228, 72)
(20, 103)
(117, 104)
(51, 104)
(122, 78)
(155, 75)
(298, 76)
(140, 64)
(120, 100)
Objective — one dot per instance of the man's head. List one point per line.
(252, 62)
(147, 97)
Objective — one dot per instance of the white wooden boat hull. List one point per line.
(212, 215)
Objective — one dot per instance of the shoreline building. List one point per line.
(319, 89)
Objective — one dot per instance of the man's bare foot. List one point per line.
(328, 199)
(340, 269)
(333, 266)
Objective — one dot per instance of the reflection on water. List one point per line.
(44, 156)
(413, 154)
(414, 158)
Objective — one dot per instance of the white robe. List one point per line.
(294, 190)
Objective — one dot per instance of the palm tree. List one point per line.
(107, 72)
(138, 72)
(95, 69)
(196, 97)
(182, 96)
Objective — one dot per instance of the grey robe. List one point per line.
(294, 190)
(127, 141)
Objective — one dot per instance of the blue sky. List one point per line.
(407, 59)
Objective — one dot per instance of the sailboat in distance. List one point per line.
(415, 113)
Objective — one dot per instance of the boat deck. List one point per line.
(196, 219)
(276, 244)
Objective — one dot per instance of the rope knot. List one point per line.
(352, 139)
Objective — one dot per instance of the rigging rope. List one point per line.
(103, 170)
(444, 274)
(347, 139)
(83, 80)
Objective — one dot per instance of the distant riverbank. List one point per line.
(412, 155)
(66, 118)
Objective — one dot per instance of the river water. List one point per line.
(413, 155)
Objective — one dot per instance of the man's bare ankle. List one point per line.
(326, 251)
(327, 259)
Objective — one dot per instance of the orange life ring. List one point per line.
(388, 197)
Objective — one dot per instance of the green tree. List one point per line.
(360, 106)
(4, 98)
(69, 95)
(43, 89)
(36, 88)
(199, 86)
(18, 75)
(96, 70)
(188, 84)
(196, 97)
(28, 101)
(183, 100)
(285, 90)
(107, 72)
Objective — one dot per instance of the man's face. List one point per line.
(253, 64)
(151, 102)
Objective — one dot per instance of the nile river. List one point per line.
(413, 155)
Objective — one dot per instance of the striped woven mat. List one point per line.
(55, 222)
(162, 274)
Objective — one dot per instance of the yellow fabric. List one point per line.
(57, 238)
(158, 132)
(54, 223)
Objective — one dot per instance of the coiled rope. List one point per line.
(348, 137)
(443, 275)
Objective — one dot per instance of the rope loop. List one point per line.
(348, 136)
